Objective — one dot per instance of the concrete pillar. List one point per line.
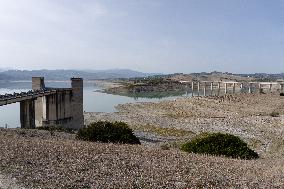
(241, 87)
(40, 111)
(198, 88)
(38, 83)
(40, 105)
(226, 88)
(27, 114)
(192, 88)
(270, 87)
(211, 88)
(260, 88)
(77, 103)
(204, 89)
(51, 110)
(219, 87)
(250, 85)
(234, 88)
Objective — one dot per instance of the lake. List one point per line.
(93, 101)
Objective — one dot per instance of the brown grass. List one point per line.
(175, 132)
(38, 162)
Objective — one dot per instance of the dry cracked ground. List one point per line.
(40, 159)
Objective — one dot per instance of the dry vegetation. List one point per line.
(43, 159)
(48, 162)
(245, 115)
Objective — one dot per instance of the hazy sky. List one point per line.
(145, 35)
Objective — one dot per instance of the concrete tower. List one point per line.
(31, 110)
(77, 103)
(39, 103)
(38, 83)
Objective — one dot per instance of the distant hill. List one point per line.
(265, 76)
(67, 74)
(219, 76)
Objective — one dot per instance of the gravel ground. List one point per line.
(37, 162)
(244, 115)
(43, 159)
(6, 182)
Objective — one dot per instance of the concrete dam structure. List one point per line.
(49, 106)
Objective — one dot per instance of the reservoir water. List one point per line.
(93, 101)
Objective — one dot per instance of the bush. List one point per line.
(219, 144)
(103, 131)
(261, 91)
(274, 114)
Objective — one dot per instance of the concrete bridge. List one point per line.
(205, 86)
(44, 106)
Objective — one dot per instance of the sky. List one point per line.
(164, 36)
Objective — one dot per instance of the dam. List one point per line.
(45, 106)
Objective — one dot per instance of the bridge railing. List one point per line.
(30, 93)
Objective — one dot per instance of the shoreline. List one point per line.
(245, 115)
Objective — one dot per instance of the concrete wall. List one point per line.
(58, 110)
(77, 103)
(27, 114)
(65, 108)
(38, 83)
(40, 111)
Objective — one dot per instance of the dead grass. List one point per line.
(54, 163)
(167, 132)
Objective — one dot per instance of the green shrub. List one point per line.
(103, 131)
(219, 144)
(274, 114)
(261, 91)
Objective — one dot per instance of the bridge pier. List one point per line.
(27, 114)
(260, 88)
(226, 88)
(192, 88)
(219, 88)
(250, 86)
(198, 88)
(211, 88)
(204, 89)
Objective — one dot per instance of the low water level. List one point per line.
(93, 101)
